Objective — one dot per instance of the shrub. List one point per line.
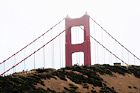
(129, 87)
(77, 78)
(95, 82)
(68, 67)
(135, 87)
(135, 70)
(73, 87)
(60, 75)
(71, 90)
(40, 90)
(0, 89)
(107, 90)
(85, 85)
(93, 91)
(52, 91)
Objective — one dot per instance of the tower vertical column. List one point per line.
(83, 47)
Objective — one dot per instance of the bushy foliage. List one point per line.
(135, 70)
(86, 75)
(72, 88)
(20, 84)
(77, 78)
(107, 90)
(92, 77)
(93, 91)
(51, 91)
(60, 74)
(129, 87)
(39, 70)
(85, 85)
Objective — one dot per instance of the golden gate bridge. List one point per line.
(79, 41)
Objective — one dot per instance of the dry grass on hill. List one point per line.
(82, 79)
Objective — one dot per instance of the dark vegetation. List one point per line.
(86, 75)
(132, 87)
(129, 87)
(107, 90)
(71, 89)
(21, 84)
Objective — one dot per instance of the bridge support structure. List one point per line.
(82, 47)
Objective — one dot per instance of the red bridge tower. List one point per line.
(83, 47)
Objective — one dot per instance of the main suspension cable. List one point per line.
(31, 42)
(33, 53)
(108, 50)
(114, 39)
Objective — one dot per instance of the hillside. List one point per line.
(79, 79)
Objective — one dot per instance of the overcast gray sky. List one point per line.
(21, 21)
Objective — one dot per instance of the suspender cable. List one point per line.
(4, 68)
(95, 44)
(115, 39)
(122, 53)
(108, 50)
(62, 49)
(134, 60)
(14, 62)
(115, 50)
(31, 42)
(60, 45)
(43, 53)
(14, 68)
(34, 56)
(128, 58)
(109, 53)
(97, 54)
(110, 58)
(52, 49)
(24, 60)
(103, 56)
(33, 53)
